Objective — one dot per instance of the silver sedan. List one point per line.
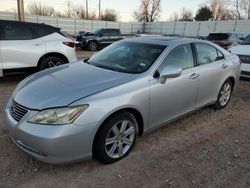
(100, 106)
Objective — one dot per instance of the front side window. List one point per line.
(17, 32)
(181, 56)
(127, 57)
(207, 54)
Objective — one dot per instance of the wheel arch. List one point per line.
(232, 80)
(52, 54)
(133, 111)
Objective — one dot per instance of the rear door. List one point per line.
(115, 35)
(211, 71)
(20, 46)
(105, 39)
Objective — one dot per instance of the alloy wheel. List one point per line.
(120, 139)
(225, 94)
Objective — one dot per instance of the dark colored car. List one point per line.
(98, 39)
(226, 40)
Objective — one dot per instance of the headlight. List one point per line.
(58, 116)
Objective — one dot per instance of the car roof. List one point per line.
(4, 22)
(165, 41)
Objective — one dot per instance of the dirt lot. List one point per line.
(206, 149)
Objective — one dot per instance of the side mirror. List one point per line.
(169, 72)
(242, 38)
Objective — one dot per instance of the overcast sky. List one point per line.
(124, 8)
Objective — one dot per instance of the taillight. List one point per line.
(70, 44)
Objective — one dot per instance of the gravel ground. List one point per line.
(205, 149)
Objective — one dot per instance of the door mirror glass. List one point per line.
(171, 71)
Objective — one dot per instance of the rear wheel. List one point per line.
(116, 138)
(50, 62)
(224, 95)
(92, 46)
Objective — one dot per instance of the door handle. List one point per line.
(224, 66)
(194, 76)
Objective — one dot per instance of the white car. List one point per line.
(243, 51)
(31, 45)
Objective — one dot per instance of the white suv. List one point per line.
(243, 51)
(26, 45)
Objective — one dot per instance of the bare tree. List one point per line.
(149, 11)
(109, 15)
(39, 9)
(220, 10)
(174, 17)
(245, 6)
(235, 4)
(186, 15)
(78, 12)
(92, 15)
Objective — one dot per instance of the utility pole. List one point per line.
(20, 9)
(99, 9)
(68, 3)
(87, 10)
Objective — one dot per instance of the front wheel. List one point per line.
(116, 138)
(224, 95)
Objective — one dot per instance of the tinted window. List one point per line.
(106, 33)
(247, 40)
(114, 32)
(181, 56)
(17, 32)
(97, 32)
(127, 57)
(233, 36)
(207, 53)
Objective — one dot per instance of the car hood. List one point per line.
(63, 85)
(240, 50)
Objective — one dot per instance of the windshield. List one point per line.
(97, 32)
(127, 57)
(247, 40)
(218, 36)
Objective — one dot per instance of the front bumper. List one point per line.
(245, 70)
(52, 144)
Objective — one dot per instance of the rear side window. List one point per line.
(207, 54)
(17, 32)
(181, 56)
(114, 32)
(105, 32)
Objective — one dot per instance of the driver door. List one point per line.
(176, 96)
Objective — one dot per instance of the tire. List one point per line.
(93, 46)
(224, 95)
(50, 62)
(111, 143)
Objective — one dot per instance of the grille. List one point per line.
(17, 111)
(245, 73)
